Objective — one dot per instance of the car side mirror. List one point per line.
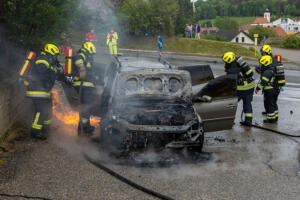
(204, 98)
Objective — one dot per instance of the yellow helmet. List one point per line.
(266, 60)
(52, 49)
(90, 47)
(266, 49)
(229, 57)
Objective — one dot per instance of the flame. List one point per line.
(65, 114)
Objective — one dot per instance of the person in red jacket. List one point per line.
(91, 36)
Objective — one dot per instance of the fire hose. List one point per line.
(127, 181)
(269, 129)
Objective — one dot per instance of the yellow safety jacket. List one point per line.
(112, 38)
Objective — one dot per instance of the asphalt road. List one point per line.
(245, 163)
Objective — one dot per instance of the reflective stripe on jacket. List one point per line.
(84, 83)
(242, 82)
(42, 77)
(85, 58)
(38, 94)
(267, 80)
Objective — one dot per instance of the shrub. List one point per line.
(262, 32)
(291, 41)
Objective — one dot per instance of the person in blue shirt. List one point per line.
(160, 45)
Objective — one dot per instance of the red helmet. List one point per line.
(278, 58)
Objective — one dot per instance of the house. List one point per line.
(279, 31)
(209, 30)
(260, 22)
(263, 21)
(243, 38)
(287, 24)
(246, 28)
(236, 36)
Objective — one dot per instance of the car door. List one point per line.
(216, 103)
(199, 73)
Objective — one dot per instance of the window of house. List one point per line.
(284, 21)
(237, 40)
(243, 39)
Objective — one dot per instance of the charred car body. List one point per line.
(149, 104)
(146, 103)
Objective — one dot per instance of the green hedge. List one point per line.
(291, 41)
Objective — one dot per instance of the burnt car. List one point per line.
(148, 104)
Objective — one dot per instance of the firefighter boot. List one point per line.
(85, 128)
(38, 135)
(271, 121)
(245, 123)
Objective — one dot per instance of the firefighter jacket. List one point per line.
(43, 74)
(112, 38)
(85, 58)
(267, 80)
(245, 79)
(274, 62)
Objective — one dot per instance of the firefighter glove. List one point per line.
(68, 80)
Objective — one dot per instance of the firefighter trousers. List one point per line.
(246, 96)
(270, 103)
(87, 102)
(113, 48)
(42, 115)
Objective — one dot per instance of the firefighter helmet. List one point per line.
(229, 57)
(266, 60)
(90, 47)
(266, 49)
(51, 49)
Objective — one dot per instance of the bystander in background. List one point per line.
(197, 31)
(160, 46)
(91, 36)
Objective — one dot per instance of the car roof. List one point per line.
(138, 63)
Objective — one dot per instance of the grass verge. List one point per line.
(186, 45)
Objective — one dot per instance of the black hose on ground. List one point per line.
(127, 181)
(268, 129)
(23, 196)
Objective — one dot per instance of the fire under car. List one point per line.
(149, 104)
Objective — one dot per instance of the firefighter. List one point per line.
(270, 92)
(245, 83)
(84, 83)
(43, 74)
(112, 39)
(266, 50)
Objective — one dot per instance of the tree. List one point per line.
(264, 33)
(31, 23)
(207, 23)
(152, 16)
(210, 8)
(225, 23)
